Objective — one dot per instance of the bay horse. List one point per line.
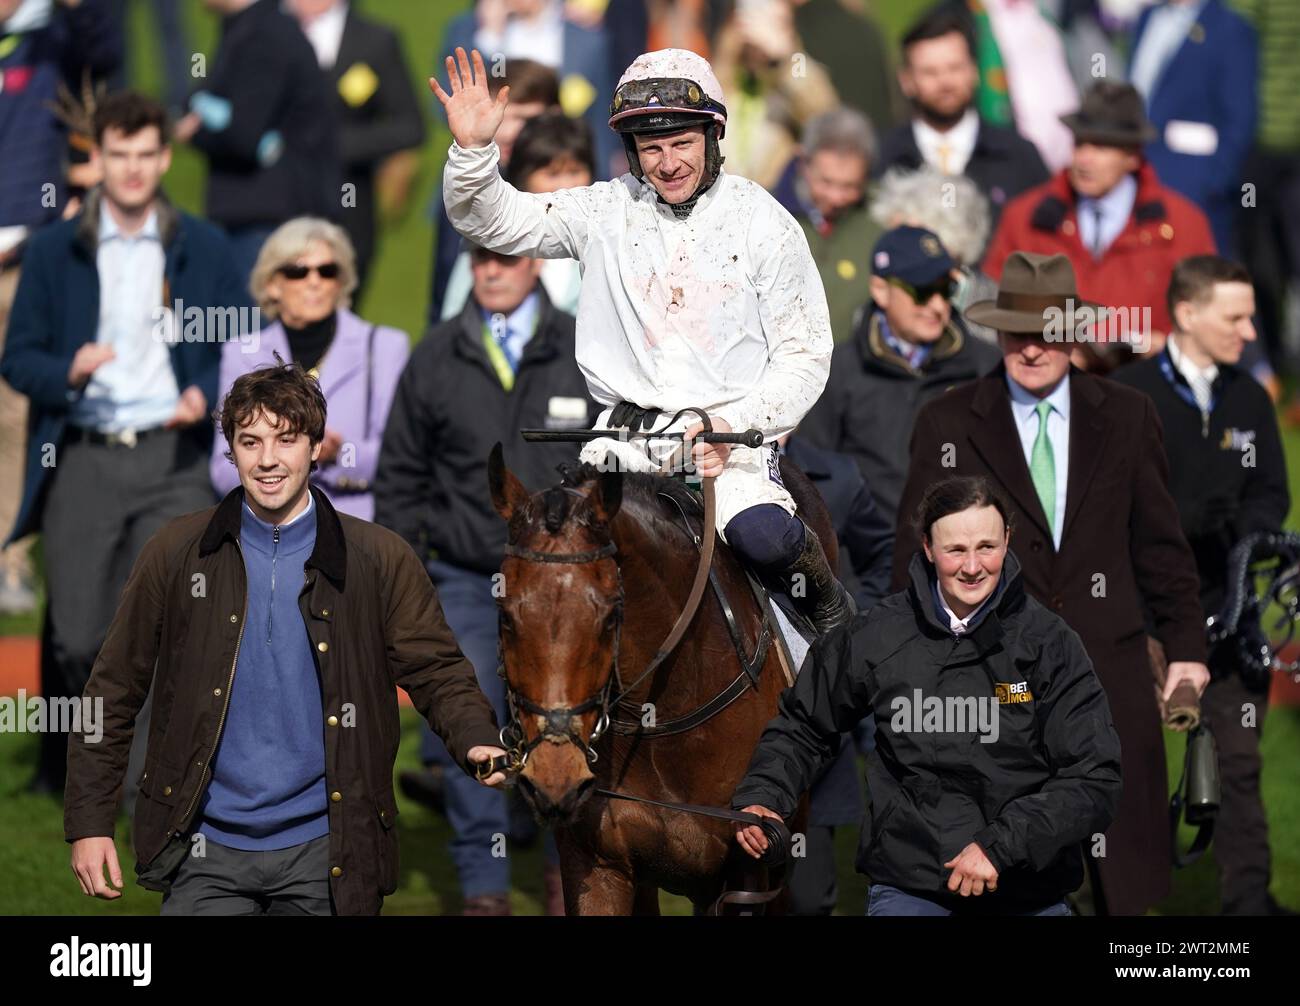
(597, 570)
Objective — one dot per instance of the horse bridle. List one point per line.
(557, 721)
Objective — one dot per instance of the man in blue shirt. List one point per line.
(119, 431)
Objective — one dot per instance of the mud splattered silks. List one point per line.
(723, 310)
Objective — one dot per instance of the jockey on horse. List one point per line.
(698, 287)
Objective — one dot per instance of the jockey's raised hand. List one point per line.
(473, 115)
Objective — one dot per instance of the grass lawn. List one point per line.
(33, 856)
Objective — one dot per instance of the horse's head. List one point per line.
(561, 611)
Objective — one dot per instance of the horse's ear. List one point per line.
(607, 495)
(508, 493)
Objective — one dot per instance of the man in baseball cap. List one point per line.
(907, 347)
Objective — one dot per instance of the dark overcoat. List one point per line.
(1123, 563)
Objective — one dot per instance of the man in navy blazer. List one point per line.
(1196, 64)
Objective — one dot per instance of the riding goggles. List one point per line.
(668, 94)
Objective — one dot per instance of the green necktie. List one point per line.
(1042, 466)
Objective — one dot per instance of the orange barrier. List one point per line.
(20, 664)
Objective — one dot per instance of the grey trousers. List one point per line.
(224, 881)
(103, 504)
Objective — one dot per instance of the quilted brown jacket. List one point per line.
(374, 622)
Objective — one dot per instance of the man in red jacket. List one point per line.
(1108, 213)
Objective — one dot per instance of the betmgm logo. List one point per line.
(1012, 693)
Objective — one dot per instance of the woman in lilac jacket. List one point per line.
(303, 281)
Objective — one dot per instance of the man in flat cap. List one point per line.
(1122, 230)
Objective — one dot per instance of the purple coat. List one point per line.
(348, 384)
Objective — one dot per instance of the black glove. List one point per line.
(633, 417)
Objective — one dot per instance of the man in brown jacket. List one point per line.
(275, 632)
(1098, 536)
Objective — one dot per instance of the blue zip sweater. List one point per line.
(268, 776)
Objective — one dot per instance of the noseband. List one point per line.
(558, 721)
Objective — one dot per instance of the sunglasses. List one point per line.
(326, 270)
(945, 288)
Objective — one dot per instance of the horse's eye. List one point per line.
(612, 620)
(507, 622)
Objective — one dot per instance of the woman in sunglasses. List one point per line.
(303, 282)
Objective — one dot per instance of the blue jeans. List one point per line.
(476, 814)
(885, 900)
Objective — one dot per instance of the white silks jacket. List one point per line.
(723, 311)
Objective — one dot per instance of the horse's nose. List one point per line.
(556, 780)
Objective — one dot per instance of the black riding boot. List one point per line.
(823, 599)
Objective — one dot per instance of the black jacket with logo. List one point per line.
(1227, 471)
(450, 409)
(873, 395)
(1050, 780)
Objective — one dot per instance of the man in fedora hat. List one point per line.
(1099, 541)
(1107, 212)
